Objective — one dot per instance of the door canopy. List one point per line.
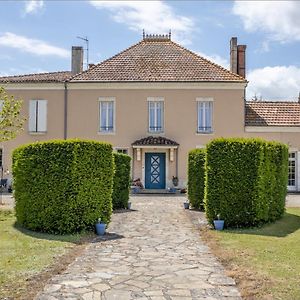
(155, 141)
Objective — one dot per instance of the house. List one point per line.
(155, 101)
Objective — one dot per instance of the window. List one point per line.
(38, 115)
(122, 150)
(292, 170)
(107, 115)
(1, 107)
(156, 115)
(205, 109)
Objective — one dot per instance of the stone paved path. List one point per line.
(154, 253)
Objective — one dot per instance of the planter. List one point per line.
(172, 190)
(219, 224)
(186, 205)
(175, 181)
(129, 205)
(100, 228)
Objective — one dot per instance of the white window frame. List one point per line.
(211, 102)
(121, 149)
(37, 130)
(160, 100)
(293, 187)
(107, 99)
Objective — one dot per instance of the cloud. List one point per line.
(274, 83)
(280, 19)
(217, 59)
(33, 6)
(32, 46)
(153, 16)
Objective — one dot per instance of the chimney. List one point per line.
(233, 55)
(237, 58)
(77, 59)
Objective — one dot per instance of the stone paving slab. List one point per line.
(152, 252)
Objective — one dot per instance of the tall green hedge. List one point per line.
(121, 180)
(196, 175)
(246, 181)
(63, 186)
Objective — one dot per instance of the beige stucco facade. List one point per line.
(131, 118)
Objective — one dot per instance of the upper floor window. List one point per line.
(156, 114)
(38, 116)
(107, 114)
(205, 113)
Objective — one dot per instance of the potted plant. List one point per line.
(175, 180)
(129, 205)
(219, 224)
(186, 205)
(100, 227)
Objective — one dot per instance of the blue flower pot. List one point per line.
(186, 205)
(100, 228)
(219, 224)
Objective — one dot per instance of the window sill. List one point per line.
(106, 133)
(204, 133)
(156, 132)
(37, 132)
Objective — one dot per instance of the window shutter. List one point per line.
(42, 116)
(32, 116)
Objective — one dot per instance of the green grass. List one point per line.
(272, 252)
(24, 253)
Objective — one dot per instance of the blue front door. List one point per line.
(155, 170)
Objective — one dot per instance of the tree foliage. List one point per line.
(11, 122)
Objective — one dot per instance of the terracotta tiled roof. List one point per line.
(157, 60)
(38, 77)
(269, 113)
(154, 140)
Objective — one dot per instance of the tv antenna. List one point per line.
(87, 49)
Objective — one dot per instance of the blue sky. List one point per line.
(36, 36)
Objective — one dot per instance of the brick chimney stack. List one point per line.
(77, 59)
(237, 57)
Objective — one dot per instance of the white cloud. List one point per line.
(280, 19)
(32, 46)
(153, 16)
(274, 83)
(33, 6)
(219, 60)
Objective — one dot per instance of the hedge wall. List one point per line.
(196, 175)
(63, 186)
(246, 181)
(121, 180)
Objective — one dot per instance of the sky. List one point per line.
(37, 36)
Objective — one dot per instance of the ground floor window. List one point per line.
(292, 169)
(122, 150)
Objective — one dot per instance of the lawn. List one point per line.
(26, 255)
(265, 261)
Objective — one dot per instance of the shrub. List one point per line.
(196, 174)
(121, 181)
(246, 181)
(63, 186)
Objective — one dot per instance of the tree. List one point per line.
(11, 122)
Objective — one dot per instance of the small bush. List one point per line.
(196, 175)
(121, 180)
(246, 181)
(63, 186)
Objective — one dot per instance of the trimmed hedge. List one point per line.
(196, 175)
(246, 181)
(63, 186)
(120, 195)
